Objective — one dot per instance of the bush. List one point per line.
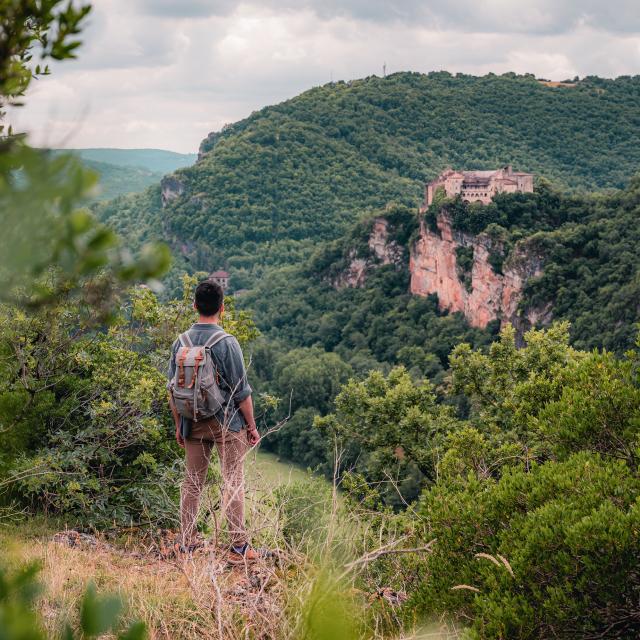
(599, 410)
(549, 553)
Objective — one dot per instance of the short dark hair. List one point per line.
(209, 297)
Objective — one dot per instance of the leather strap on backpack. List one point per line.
(182, 355)
(199, 357)
(185, 340)
(185, 344)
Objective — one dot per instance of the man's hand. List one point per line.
(246, 409)
(179, 438)
(177, 420)
(252, 435)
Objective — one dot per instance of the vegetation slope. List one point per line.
(274, 184)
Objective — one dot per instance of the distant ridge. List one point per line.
(155, 160)
(128, 171)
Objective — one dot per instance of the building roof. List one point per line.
(479, 174)
(219, 274)
(479, 177)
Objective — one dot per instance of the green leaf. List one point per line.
(80, 221)
(137, 631)
(98, 614)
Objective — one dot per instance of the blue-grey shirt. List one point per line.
(229, 363)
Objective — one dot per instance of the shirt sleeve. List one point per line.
(233, 371)
(171, 368)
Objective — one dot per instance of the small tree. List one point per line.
(49, 245)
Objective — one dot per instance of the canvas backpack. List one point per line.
(195, 389)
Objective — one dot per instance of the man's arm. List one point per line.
(176, 419)
(246, 408)
(235, 376)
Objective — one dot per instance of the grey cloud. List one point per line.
(118, 37)
(146, 78)
(490, 16)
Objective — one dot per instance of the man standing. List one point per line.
(232, 430)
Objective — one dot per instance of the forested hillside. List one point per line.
(115, 180)
(289, 194)
(590, 276)
(273, 184)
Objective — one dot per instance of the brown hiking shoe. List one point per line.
(246, 556)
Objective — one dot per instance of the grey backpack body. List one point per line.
(195, 389)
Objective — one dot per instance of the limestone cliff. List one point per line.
(489, 295)
(381, 251)
(386, 251)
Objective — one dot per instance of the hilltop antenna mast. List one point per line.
(384, 69)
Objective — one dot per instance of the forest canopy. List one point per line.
(270, 186)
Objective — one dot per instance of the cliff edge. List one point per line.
(480, 292)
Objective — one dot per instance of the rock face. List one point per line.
(385, 251)
(354, 275)
(171, 188)
(382, 251)
(492, 296)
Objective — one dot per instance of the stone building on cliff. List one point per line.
(478, 186)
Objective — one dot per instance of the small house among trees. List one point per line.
(221, 277)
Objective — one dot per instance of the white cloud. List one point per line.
(163, 74)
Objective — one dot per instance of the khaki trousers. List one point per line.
(232, 448)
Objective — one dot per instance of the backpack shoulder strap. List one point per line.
(215, 338)
(185, 340)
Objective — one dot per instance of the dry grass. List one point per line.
(178, 598)
(310, 585)
(155, 591)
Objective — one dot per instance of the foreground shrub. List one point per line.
(598, 409)
(553, 552)
(389, 429)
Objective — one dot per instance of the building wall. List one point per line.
(502, 181)
(223, 282)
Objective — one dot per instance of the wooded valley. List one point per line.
(479, 477)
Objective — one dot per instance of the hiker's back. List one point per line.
(195, 385)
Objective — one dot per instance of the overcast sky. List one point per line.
(164, 73)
